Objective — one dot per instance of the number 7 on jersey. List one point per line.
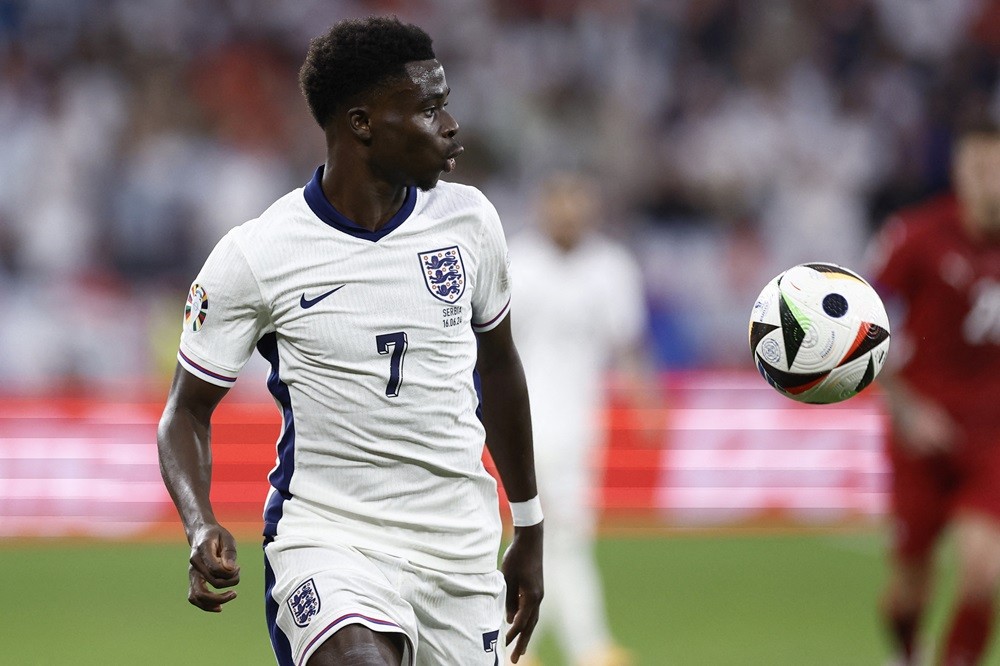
(395, 344)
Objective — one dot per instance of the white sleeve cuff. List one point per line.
(492, 323)
(201, 372)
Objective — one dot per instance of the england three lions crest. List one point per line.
(304, 603)
(444, 273)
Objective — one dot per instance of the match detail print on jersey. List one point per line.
(307, 303)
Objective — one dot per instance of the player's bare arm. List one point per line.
(184, 443)
(508, 436)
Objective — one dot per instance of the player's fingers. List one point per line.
(209, 560)
(226, 550)
(521, 647)
(517, 628)
(511, 602)
(214, 570)
(523, 628)
(523, 622)
(513, 628)
(228, 555)
(215, 573)
(204, 598)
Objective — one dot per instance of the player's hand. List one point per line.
(212, 563)
(522, 568)
(925, 428)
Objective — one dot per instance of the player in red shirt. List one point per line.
(939, 269)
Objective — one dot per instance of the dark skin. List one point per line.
(401, 136)
(508, 427)
(398, 137)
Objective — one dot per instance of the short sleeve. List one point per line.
(491, 300)
(223, 317)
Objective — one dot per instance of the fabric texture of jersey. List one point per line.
(949, 343)
(370, 337)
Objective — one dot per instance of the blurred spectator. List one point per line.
(774, 132)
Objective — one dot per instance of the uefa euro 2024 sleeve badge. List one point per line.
(196, 309)
(304, 603)
(444, 273)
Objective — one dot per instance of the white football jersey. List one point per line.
(576, 311)
(370, 337)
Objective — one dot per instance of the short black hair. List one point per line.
(357, 55)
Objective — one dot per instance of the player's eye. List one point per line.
(431, 111)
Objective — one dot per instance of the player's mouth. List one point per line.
(449, 161)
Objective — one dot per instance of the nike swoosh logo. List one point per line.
(307, 303)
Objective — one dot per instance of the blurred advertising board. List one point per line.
(722, 449)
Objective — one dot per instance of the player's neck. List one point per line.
(361, 198)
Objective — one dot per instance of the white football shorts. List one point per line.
(312, 590)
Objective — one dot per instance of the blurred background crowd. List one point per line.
(733, 138)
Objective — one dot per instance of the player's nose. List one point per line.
(449, 126)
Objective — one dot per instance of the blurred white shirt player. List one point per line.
(582, 312)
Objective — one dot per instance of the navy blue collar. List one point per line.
(325, 211)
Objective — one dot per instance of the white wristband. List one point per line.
(526, 514)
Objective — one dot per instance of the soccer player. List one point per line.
(939, 264)
(369, 291)
(582, 313)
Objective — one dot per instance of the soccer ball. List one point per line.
(819, 333)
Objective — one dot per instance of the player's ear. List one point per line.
(359, 120)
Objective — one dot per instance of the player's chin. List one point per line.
(428, 182)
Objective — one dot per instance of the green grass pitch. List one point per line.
(739, 600)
